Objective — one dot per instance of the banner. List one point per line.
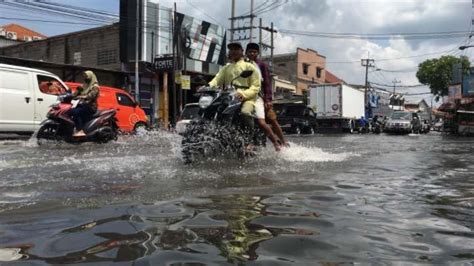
(203, 41)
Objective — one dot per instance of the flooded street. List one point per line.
(376, 199)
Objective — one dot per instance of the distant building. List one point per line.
(331, 78)
(420, 107)
(303, 68)
(11, 34)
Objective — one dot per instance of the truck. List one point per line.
(337, 106)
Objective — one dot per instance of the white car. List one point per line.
(190, 111)
(25, 97)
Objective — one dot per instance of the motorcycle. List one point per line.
(59, 126)
(218, 130)
(376, 125)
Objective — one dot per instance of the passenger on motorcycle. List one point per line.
(264, 107)
(87, 95)
(247, 88)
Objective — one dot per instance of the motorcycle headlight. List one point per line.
(205, 101)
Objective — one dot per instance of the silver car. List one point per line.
(399, 122)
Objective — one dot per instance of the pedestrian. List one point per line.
(266, 99)
(87, 94)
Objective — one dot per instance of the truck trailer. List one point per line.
(337, 106)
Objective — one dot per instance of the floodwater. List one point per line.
(349, 199)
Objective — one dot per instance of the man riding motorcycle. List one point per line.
(247, 88)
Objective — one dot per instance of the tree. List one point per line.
(438, 73)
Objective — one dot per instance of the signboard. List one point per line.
(164, 64)
(203, 41)
(185, 82)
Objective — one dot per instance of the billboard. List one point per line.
(203, 41)
(154, 30)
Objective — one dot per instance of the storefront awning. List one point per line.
(284, 85)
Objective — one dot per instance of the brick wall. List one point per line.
(97, 47)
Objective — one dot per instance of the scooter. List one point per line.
(218, 130)
(59, 126)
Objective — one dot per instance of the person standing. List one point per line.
(252, 52)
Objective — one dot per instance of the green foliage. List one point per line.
(438, 73)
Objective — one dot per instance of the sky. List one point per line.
(396, 58)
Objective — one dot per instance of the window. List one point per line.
(305, 68)
(106, 57)
(124, 100)
(319, 71)
(50, 85)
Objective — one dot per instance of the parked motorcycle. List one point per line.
(59, 126)
(376, 125)
(217, 130)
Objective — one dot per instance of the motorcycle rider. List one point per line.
(87, 94)
(264, 107)
(247, 88)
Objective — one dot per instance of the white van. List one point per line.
(25, 97)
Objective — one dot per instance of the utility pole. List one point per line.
(137, 43)
(395, 82)
(367, 63)
(251, 19)
(232, 19)
(234, 29)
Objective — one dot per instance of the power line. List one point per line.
(400, 86)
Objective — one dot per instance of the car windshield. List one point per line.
(402, 115)
(190, 112)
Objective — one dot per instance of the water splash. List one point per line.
(298, 153)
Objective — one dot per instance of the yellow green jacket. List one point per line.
(232, 70)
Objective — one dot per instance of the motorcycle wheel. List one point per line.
(48, 134)
(106, 134)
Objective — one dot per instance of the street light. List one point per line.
(465, 46)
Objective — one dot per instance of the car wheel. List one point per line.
(139, 128)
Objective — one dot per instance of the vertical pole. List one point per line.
(232, 19)
(165, 101)
(137, 34)
(152, 99)
(271, 48)
(366, 81)
(260, 34)
(174, 92)
(251, 20)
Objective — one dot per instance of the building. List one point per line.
(12, 34)
(421, 107)
(94, 48)
(111, 52)
(331, 78)
(303, 68)
(17, 32)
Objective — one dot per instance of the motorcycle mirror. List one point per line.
(246, 73)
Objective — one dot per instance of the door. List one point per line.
(126, 115)
(17, 107)
(47, 89)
